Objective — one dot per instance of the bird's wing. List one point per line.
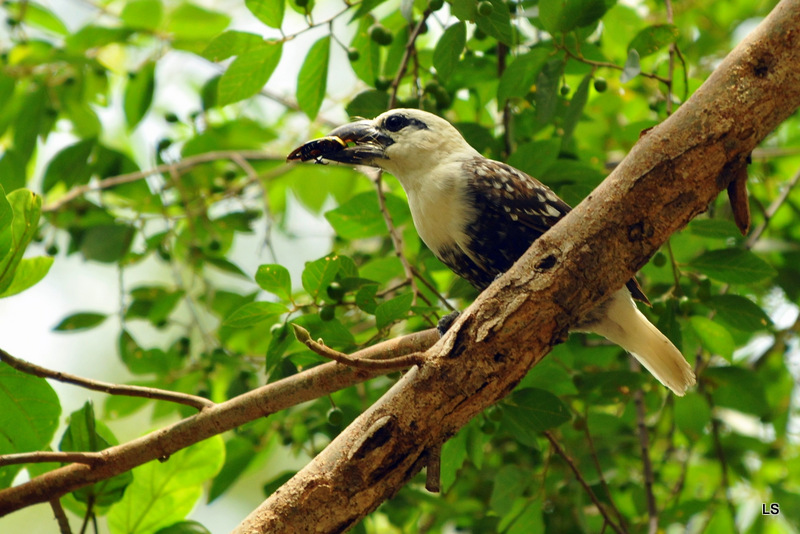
(510, 193)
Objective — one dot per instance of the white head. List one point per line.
(404, 142)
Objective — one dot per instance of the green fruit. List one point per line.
(485, 8)
(479, 34)
(565, 89)
(353, 54)
(171, 117)
(327, 313)
(52, 250)
(435, 5)
(495, 414)
(380, 35)
(335, 416)
(382, 84)
(660, 259)
(301, 3)
(163, 145)
(214, 245)
(488, 427)
(600, 85)
(335, 291)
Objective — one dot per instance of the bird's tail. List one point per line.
(626, 326)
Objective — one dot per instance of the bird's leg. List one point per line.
(446, 322)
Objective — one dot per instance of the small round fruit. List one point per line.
(660, 259)
(335, 291)
(600, 85)
(485, 8)
(353, 54)
(382, 84)
(327, 313)
(335, 416)
(52, 250)
(488, 427)
(565, 89)
(435, 5)
(171, 117)
(380, 35)
(301, 3)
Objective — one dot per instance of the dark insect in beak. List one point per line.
(317, 149)
(356, 143)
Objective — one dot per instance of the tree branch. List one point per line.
(106, 387)
(669, 177)
(260, 402)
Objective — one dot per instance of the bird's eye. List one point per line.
(395, 123)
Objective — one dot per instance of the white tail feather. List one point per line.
(626, 326)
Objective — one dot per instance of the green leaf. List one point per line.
(509, 483)
(448, 49)
(739, 389)
(312, 81)
(714, 337)
(560, 16)
(454, 453)
(368, 104)
(238, 455)
(270, 12)
(531, 411)
(139, 94)
(106, 243)
(29, 272)
(632, 67)
(360, 217)
(29, 413)
(368, 65)
(70, 166)
(163, 493)
(143, 14)
(520, 75)
(692, 415)
(248, 73)
(185, 527)
(714, 228)
(254, 312)
(275, 279)
(498, 24)
(319, 274)
(231, 43)
(393, 310)
(191, 22)
(84, 433)
(27, 208)
(740, 312)
(37, 16)
(733, 266)
(547, 82)
(653, 38)
(80, 321)
(575, 109)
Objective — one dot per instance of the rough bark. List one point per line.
(162, 443)
(669, 177)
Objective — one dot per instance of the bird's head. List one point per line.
(403, 142)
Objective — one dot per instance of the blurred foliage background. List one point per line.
(149, 136)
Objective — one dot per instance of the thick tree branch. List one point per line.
(669, 177)
(290, 391)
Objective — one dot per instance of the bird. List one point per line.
(478, 216)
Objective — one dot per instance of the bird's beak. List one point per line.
(356, 143)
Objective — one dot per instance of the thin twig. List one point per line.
(407, 53)
(772, 210)
(596, 460)
(106, 387)
(561, 452)
(61, 516)
(189, 162)
(644, 443)
(400, 362)
(37, 457)
(608, 65)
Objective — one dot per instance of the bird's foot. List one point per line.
(446, 322)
